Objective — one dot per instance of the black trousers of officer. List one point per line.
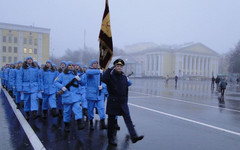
(112, 123)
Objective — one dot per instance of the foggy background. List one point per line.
(212, 22)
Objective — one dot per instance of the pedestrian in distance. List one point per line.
(117, 103)
(176, 80)
(212, 83)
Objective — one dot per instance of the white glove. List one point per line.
(64, 89)
(101, 71)
(128, 79)
(78, 78)
(100, 87)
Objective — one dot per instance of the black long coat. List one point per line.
(117, 85)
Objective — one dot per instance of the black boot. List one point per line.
(18, 105)
(112, 142)
(80, 124)
(67, 127)
(27, 115)
(102, 124)
(45, 114)
(54, 112)
(60, 113)
(34, 114)
(116, 126)
(136, 138)
(91, 125)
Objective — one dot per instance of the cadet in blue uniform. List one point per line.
(70, 97)
(29, 84)
(59, 97)
(17, 79)
(94, 95)
(82, 89)
(49, 90)
(117, 104)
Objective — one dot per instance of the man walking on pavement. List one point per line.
(117, 104)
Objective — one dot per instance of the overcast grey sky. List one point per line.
(215, 23)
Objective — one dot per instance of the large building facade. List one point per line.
(192, 60)
(18, 42)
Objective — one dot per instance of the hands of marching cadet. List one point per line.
(78, 78)
(64, 89)
(101, 71)
(100, 87)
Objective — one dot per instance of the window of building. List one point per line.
(4, 58)
(15, 49)
(9, 49)
(10, 59)
(30, 51)
(35, 42)
(15, 59)
(15, 40)
(24, 50)
(25, 41)
(35, 51)
(4, 49)
(4, 39)
(9, 39)
(30, 41)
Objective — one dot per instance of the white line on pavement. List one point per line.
(185, 119)
(33, 138)
(175, 99)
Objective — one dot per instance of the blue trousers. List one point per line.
(17, 97)
(84, 101)
(30, 102)
(49, 99)
(100, 107)
(67, 110)
(59, 103)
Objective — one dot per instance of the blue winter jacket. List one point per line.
(48, 78)
(72, 96)
(17, 80)
(29, 81)
(92, 82)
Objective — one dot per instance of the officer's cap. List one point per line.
(118, 62)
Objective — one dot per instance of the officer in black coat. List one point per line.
(117, 105)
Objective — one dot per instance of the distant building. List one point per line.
(194, 60)
(18, 41)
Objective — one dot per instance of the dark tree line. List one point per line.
(83, 56)
(234, 59)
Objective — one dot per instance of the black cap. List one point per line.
(118, 62)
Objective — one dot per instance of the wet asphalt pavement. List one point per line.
(187, 117)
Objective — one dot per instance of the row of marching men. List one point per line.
(70, 88)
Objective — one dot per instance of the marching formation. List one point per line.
(71, 90)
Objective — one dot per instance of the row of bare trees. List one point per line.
(84, 56)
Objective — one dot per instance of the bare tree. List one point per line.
(234, 59)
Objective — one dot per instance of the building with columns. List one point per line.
(18, 41)
(192, 60)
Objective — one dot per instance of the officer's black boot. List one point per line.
(102, 124)
(80, 124)
(18, 105)
(67, 127)
(45, 113)
(91, 125)
(112, 142)
(116, 126)
(54, 112)
(27, 115)
(136, 138)
(34, 114)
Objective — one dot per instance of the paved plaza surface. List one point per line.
(186, 117)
